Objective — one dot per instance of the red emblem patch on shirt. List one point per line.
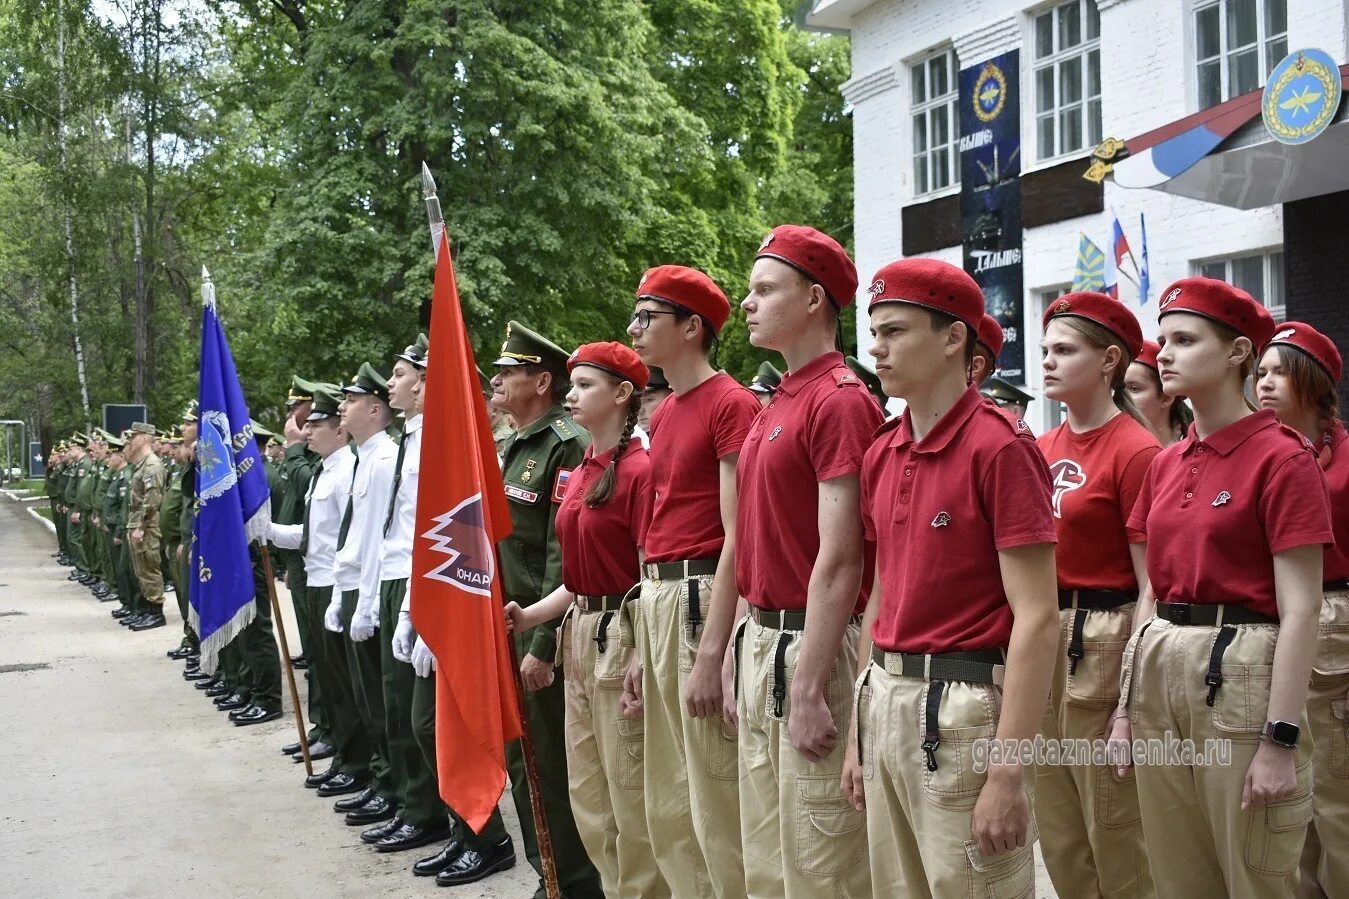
(560, 485)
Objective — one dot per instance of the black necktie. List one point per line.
(308, 498)
(351, 497)
(397, 480)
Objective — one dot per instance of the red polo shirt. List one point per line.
(1337, 479)
(1216, 512)
(599, 546)
(1096, 477)
(690, 434)
(817, 428)
(939, 511)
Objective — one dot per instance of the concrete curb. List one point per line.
(42, 518)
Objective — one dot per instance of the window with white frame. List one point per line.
(1259, 274)
(935, 94)
(1054, 413)
(1067, 74)
(1237, 43)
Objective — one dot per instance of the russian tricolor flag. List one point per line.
(1119, 248)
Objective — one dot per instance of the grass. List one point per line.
(45, 512)
(33, 486)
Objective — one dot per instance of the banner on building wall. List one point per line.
(990, 198)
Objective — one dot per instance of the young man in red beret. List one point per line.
(681, 675)
(960, 630)
(801, 568)
(987, 345)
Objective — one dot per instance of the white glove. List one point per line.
(422, 660)
(403, 638)
(364, 625)
(332, 618)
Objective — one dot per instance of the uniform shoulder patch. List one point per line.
(560, 484)
(888, 426)
(844, 377)
(565, 428)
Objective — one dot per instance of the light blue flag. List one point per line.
(233, 502)
(1089, 272)
(1144, 276)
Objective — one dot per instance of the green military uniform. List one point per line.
(766, 380)
(128, 586)
(187, 490)
(70, 500)
(535, 463)
(84, 504)
(54, 485)
(103, 534)
(171, 537)
(297, 468)
(147, 491)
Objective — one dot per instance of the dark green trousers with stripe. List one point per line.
(368, 687)
(332, 671)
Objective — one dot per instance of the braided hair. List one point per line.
(603, 490)
(1314, 390)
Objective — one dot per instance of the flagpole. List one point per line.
(542, 833)
(285, 657)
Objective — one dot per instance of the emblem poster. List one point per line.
(990, 198)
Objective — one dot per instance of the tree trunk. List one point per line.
(67, 214)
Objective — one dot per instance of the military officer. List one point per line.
(79, 466)
(530, 383)
(54, 484)
(1007, 396)
(85, 502)
(171, 536)
(147, 489)
(765, 383)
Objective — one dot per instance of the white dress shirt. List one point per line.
(396, 561)
(326, 501)
(357, 561)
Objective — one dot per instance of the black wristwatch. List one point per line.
(1281, 733)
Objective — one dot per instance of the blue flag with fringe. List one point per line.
(233, 503)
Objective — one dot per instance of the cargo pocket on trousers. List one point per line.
(1332, 637)
(1116, 798)
(955, 784)
(1007, 876)
(1275, 834)
(829, 839)
(1096, 682)
(1242, 700)
(631, 734)
(694, 595)
(1339, 738)
(611, 656)
(721, 750)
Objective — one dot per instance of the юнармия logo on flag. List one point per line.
(461, 535)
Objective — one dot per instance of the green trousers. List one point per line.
(128, 587)
(414, 780)
(259, 648)
(61, 524)
(75, 543)
(423, 711)
(546, 711)
(106, 571)
(298, 585)
(368, 688)
(233, 671)
(88, 535)
(330, 668)
(184, 570)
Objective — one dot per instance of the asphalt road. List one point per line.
(122, 780)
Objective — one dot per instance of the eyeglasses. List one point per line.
(643, 317)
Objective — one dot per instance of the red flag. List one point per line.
(456, 588)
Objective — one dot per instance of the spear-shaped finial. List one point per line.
(433, 214)
(207, 289)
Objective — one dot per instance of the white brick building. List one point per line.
(1159, 61)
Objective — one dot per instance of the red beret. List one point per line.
(1220, 302)
(1103, 310)
(1312, 342)
(990, 335)
(932, 284)
(617, 359)
(687, 287)
(1148, 354)
(817, 256)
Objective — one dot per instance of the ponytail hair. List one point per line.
(1102, 338)
(603, 490)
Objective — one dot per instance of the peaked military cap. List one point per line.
(656, 381)
(415, 353)
(142, 427)
(1000, 391)
(301, 391)
(368, 380)
(78, 439)
(261, 433)
(327, 397)
(115, 443)
(192, 411)
(102, 435)
(526, 347)
(869, 378)
(766, 380)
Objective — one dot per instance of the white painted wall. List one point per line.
(1148, 81)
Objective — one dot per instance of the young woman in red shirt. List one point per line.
(600, 528)
(1296, 379)
(1237, 518)
(1090, 833)
(1166, 416)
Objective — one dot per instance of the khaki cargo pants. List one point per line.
(919, 821)
(692, 770)
(1325, 856)
(800, 836)
(145, 563)
(604, 754)
(1199, 840)
(1091, 832)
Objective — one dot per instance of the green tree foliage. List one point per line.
(280, 142)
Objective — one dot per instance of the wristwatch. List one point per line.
(1281, 733)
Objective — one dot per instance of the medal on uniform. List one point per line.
(529, 471)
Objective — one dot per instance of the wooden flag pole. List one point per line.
(285, 657)
(541, 831)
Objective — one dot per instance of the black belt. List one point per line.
(666, 571)
(979, 667)
(1083, 601)
(1335, 586)
(610, 602)
(1208, 614)
(1096, 600)
(786, 620)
